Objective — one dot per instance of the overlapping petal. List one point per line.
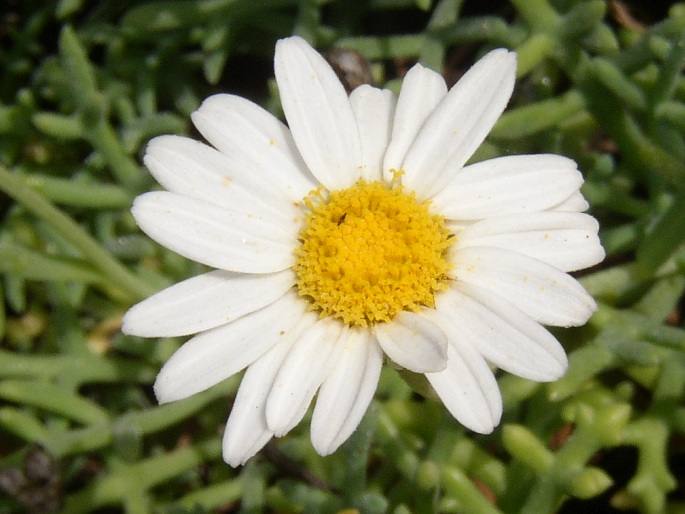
(508, 185)
(414, 342)
(544, 293)
(468, 389)
(190, 168)
(346, 392)
(304, 369)
(422, 90)
(246, 430)
(214, 355)
(565, 240)
(500, 332)
(319, 113)
(574, 203)
(215, 236)
(373, 109)
(205, 301)
(256, 143)
(459, 123)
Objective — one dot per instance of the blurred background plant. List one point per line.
(85, 84)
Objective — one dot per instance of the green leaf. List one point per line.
(54, 399)
(531, 119)
(77, 193)
(582, 18)
(21, 262)
(665, 237)
(614, 79)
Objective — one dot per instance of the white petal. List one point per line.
(346, 393)
(246, 431)
(501, 333)
(256, 142)
(565, 240)
(373, 108)
(422, 89)
(191, 168)
(574, 203)
(468, 389)
(459, 123)
(210, 357)
(319, 113)
(218, 237)
(507, 185)
(544, 293)
(456, 226)
(204, 302)
(304, 369)
(414, 342)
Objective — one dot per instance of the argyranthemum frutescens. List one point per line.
(358, 233)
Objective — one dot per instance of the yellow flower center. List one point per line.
(369, 252)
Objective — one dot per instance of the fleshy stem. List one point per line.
(111, 268)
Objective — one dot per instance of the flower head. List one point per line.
(355, 234)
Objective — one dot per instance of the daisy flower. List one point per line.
(357, 234)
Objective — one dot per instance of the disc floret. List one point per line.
(370, 251)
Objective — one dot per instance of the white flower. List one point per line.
(358, 233)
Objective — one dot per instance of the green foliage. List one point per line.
(85, 86)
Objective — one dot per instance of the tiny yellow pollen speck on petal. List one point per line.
(370, 251)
